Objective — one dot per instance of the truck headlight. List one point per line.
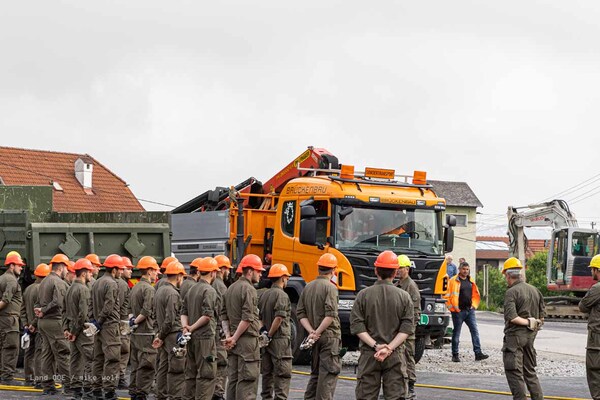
(345, 304)
(440, 308)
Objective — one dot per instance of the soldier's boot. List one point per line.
(76, 393)
(411, 395)
(110, 395)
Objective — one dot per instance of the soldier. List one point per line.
(318, 307)
(524, 313)
(382, 331)
(275, 313)
(406, 283)
(77, 308)
(191, 279)
(143, 355)
(93, 258)
(591, 304)
(221, 288)
(163, 279)
(49, 310)
(29, 321)
(199, 317)
(10, 306)
(70, 275)
(240, 315)
(107, 342)
(123, 283)
(167, 304)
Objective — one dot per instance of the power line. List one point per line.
(589, 180)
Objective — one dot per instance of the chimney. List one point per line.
(83, 171)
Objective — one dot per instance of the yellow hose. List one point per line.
(485, 391)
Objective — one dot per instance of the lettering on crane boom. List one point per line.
(306, 190)
(293, 164)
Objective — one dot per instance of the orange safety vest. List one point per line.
(454, 292)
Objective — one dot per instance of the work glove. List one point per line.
(183, 338)
(25, 339)
(132, 322)
(534, 324)
(124, 327)
(307, 343)
(91, 328)
(264, 339)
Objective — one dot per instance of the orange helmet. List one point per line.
(223, 261)
(175, 268)
(208, 264)
(42, 270)
(13, 258)
(387, 259)
(327, 260)
(94, 259)
(196, 262)
(127, 262)
(71, 267)
(167, 261)
(147, 262)
(239, 270)
(59, 259)
(83, 263)
(114, 261)
(278, 270)
(253, 261)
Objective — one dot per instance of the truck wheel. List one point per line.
(419, 348)
(301, 357)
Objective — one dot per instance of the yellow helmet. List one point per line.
(403, 261)
(595, 263)
(512, 263)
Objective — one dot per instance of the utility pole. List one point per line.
(593, 224)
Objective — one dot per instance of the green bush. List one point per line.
(535, 273)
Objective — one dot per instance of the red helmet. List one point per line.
(71, 267)
(253, 261)
(83, 263)
(278, 270)
(94, 259)
(114, 261)
(327, 260)
(127, 263)
(59, 259)
(387, 259)
(13, 258)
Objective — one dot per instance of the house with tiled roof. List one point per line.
(494, 250)
(79, 183)
(461, 202)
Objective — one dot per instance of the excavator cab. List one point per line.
(571, 250)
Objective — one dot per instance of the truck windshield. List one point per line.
(382, 229)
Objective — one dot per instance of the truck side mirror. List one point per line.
(450, 220)
(308, 212)
(308, 231)
(448, 238)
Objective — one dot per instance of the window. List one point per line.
(461, 219)
(288, 217)
(583, 244)
(321, 208)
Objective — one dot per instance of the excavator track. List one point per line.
(563, 307)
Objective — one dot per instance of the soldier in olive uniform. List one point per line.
(77, 308)
(167, 305)
(275, 312)
(524, 312)
(29, 321)
(163, 279)
(240, 315)
(383, 319)
(124, 309)
(143, 355)
(406, 283)
(49, 310)
(591, 304)
(199, 317)
(11, 300)
(191, 279)
(318, 313)
(107, 342)
(219, 285)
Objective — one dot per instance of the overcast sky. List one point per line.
(178, 97)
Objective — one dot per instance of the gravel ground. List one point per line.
(440, 360)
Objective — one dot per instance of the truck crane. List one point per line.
(315, 205)
(570, 251)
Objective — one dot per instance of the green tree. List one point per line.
(536, 272)
(496, 289)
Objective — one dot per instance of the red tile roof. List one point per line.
(38, 167)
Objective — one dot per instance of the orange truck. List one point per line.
(313, 206)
